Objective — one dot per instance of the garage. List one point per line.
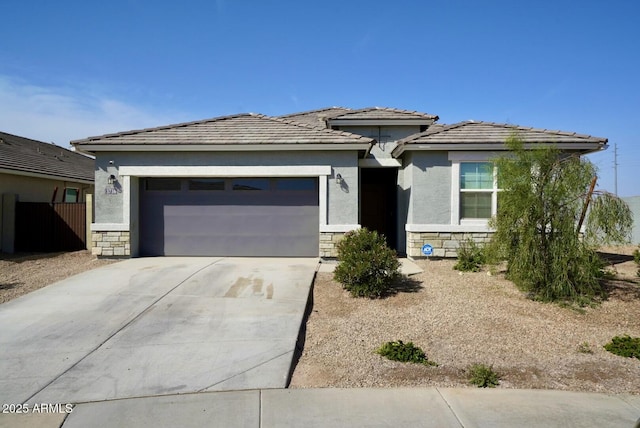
(236, 216)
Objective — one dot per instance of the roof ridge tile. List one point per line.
(318, 129)
(320, 110)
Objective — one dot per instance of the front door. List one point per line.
(378, 202)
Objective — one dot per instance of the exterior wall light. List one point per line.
(112, 180)
(339, 179)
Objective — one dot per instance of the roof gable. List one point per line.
(383, 113)
(24, 155)
(490, 133)
(316, 118)
(241, 129)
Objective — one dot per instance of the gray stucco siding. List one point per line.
(108, 207)
(429, 179)
(342, 201)
(386, 136)
(634, 205)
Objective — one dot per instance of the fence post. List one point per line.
(88, 199)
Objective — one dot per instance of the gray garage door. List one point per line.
(229, 217)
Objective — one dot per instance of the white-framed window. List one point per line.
(474, 187)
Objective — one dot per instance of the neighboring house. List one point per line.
(634, 204)
(253, 185)
(33, 171)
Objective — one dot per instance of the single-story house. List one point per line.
(34, 171)
(254, 185)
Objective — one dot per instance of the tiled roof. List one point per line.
(316, 117)
(383, 113)
(472, 132)
(242, 129)
(31, 156)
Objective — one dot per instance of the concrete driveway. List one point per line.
(155, 326)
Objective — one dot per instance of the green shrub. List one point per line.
(471, 256)
(483, 376)
(366, 266)
(404, 352)
(625, 346)
(636, 258)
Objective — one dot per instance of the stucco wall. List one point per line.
(428, 176)
(342, 200)
(35, 189)
(634, 204)
(386, 136)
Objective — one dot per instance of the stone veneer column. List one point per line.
(328, 243)
(111, 243)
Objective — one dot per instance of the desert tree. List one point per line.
(539, 227)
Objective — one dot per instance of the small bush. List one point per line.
(366, 266)
(625, 346)
(483, 376)
(471, 257)
(404, 352)
(636, 258)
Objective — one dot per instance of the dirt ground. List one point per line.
(23, 273)
(460, 319)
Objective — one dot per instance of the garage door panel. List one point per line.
(230, 223)
(232, 199)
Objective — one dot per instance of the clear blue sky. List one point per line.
(73, 69)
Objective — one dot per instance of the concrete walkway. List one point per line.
(155, 326)
(309, 408)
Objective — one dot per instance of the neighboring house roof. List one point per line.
(473, 135)
(383, 113)
(316, 117)
(24, 156)
(249, 129)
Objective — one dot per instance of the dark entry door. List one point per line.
(378, 202)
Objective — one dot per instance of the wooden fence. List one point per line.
(45, 227)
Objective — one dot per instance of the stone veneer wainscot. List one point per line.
(329, 244)
(111, 243)
(445, 244)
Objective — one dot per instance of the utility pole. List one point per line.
(615, 169)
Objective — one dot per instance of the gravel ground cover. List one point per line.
(460, 319)
(23, 273)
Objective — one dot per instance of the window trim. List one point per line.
(64, 195)
(456, 159)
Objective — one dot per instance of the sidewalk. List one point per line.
(308, 408)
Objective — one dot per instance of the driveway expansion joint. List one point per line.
(449, 406)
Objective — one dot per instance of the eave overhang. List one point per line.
(42, 175)
(94, 148)
(583, 148)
